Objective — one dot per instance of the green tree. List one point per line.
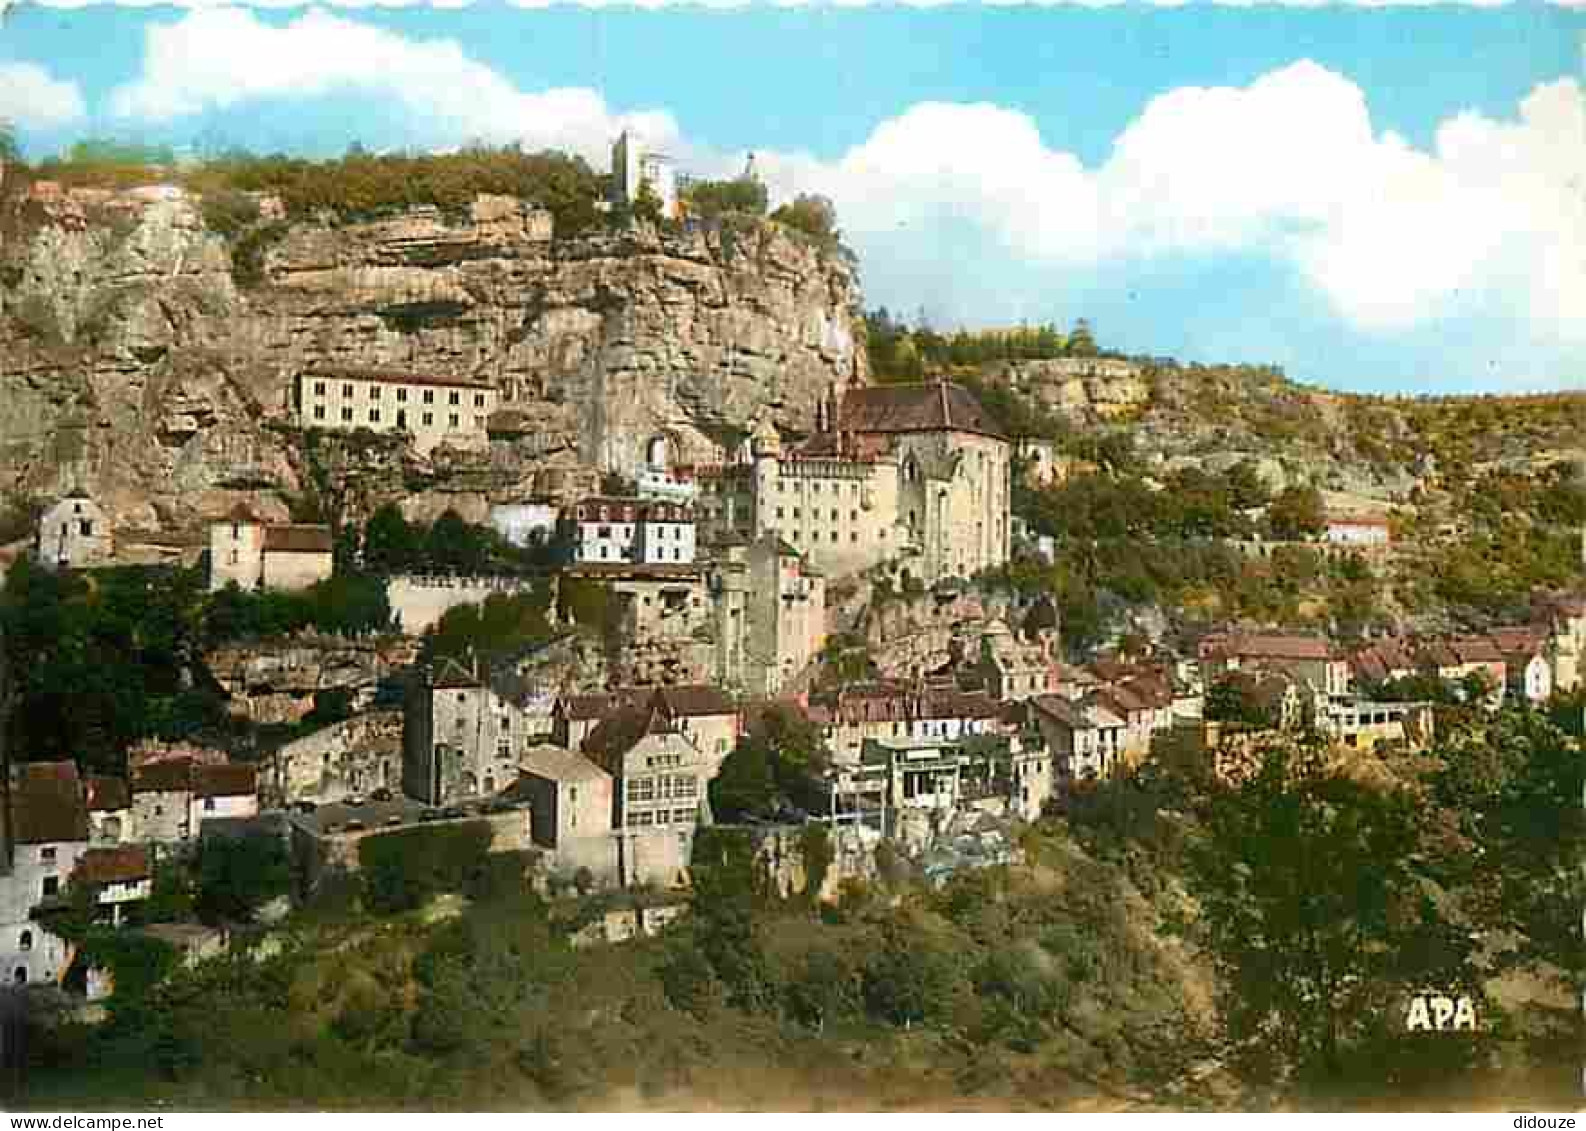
(1296, 513)
(714, 198)
(815, 216)
(390, 543)
(781, 761)
(1314, 913)
(238, 875)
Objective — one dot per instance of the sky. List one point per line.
(1376, 198)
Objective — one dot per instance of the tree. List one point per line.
(1297, 513)
(815, 216)
(10, 153)
(1314, 914)
(238, 875)
(714, 198)
(781, 761)
(1082, 342)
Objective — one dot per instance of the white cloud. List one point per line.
(32, 98)
(213, 59)
(1290, 168)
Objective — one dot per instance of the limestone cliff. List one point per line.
(132, 364)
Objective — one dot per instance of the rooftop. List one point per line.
(927, 407)
(392, 377)
(122, 865)
(556, 764)
(47, 804)
(297, 539)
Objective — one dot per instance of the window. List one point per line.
(319, 388)
(854, 537)
(452, 420)
(795, 512)
(429, 396)
(209, 804)
(454, 398)
(346, 414)
(234, 558)
(834, 514)
(87, 528)
(52, 886)
(641, 789)
(26, 941)
(682, 816)
(853, 516)
(635, 820)
(346, 390)
(429, 419)
(402, 396)
(374, 392)
(374, 416)
(47, 854)
(319, 412)
(479, 422)
(479, 400)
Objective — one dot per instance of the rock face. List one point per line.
(275, 683)
(132, 366)
(1082, 388)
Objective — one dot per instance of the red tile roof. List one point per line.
(123, 865)
(297, 539)
(47, 804)
(692, 701)
(175, 776)
(929, 407)
(1275, 646)
(238, 779)
(107, 794)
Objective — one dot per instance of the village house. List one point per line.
(1525, 661)
(223, 791)
(1565, 617)
(49, 829)
(1361, 724)
(704, 716)
(245, 550)
(658, 790)
(175, 789)
(461, 737)
(573, 805)
(1145, 704)
(1357, 530)
(1086, 740)
(1011, 668)
(431, 410)
(119, 878)
(607, 530)
(1310, 658)
(1456, 660)
(109, 810)
(73, 534)
(1381, 661)
(916, 475)
(883, 710)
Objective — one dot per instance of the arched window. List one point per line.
(26, 941)
(656, 453)
(21, 975)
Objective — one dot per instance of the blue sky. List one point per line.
(1383, 199)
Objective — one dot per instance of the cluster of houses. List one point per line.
(64, 829)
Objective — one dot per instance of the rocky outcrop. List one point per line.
(134, 367)
(1084, 388)
(275, 681)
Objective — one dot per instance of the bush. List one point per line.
(405, 869)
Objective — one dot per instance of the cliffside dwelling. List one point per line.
(894, 711)
(911, 474)
(244, 549)
(770, 614)
(430, 409)
(73, 534)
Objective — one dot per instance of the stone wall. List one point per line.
(345, 759)
(419, 601)
(274, 681)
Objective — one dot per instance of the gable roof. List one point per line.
(600, 704)
(692, 701)
(608, 744)
(297, 539)
(121, 865)
(1271, 645)
(934, 406)
(47, 804)
(235, 779)
(107, 794)
(1519, 642)
(555, 764)
(174, 776)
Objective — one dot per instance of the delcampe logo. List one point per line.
(1434, 1011)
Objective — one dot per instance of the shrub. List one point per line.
(403, 870)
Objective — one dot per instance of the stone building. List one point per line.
(49, 834)
(1087, 741)
(704, 716)
(658, 790)
(1310, 658)
(1565, 618)
(1013, 669)
(175, 790)
(461, 737)
(917, 475)
(74, 533)
(572, 803)
(785, 615)
(256, 555)
(886, 711)
(431, 410)
(109, 810)
(634, 167)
